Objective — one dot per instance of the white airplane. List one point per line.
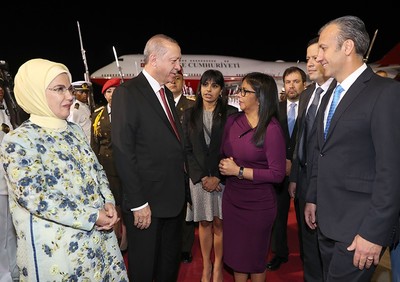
(233, 68)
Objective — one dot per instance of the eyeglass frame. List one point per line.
(243, 92)
(61, 89)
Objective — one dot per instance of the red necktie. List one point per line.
(169, 114)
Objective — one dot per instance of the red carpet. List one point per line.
(291, 271)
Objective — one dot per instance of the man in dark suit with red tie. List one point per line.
(149, 158)
(353, 197)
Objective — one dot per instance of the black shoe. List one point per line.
(186, 257)
(276, 262)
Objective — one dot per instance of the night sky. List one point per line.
(267, 34)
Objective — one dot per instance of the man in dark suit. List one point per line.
(294, 80)
(354, 192)
(182, 102)
(149, 158)
(309, 105)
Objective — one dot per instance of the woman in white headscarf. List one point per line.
(62, 208)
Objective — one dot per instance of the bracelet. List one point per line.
(240, 175)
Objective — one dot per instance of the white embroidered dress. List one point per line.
(57, 238)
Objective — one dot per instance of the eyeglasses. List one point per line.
(243, 92)
(61, 89)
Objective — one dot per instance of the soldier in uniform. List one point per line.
(101, 145)
(80, 110)
(182, 101)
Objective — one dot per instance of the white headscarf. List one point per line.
(30, 83)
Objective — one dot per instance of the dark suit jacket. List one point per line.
(300, 125)
(148, 155)
(290, 140)
(203, 160)
(304, 150)
(183, 104)
(355, 181)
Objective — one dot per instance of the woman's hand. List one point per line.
(228, 166)
(210, 183)
(107, 218)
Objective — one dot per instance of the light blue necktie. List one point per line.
(291, 116)
(336, 95)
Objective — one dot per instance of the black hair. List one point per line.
(214, 76)
(267, 95)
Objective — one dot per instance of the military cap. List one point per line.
(113, 82)
(82, 85)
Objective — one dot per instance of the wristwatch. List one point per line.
(240, 175)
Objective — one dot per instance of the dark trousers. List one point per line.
(154, 253)
(309, 248)
(279, 244)
(299, 216)
(337, 262)
(312, 264)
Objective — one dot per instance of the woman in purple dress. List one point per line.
(253, 149)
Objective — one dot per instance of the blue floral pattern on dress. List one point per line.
(56, 188)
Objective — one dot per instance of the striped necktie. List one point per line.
(169, 114)
(312, 110)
